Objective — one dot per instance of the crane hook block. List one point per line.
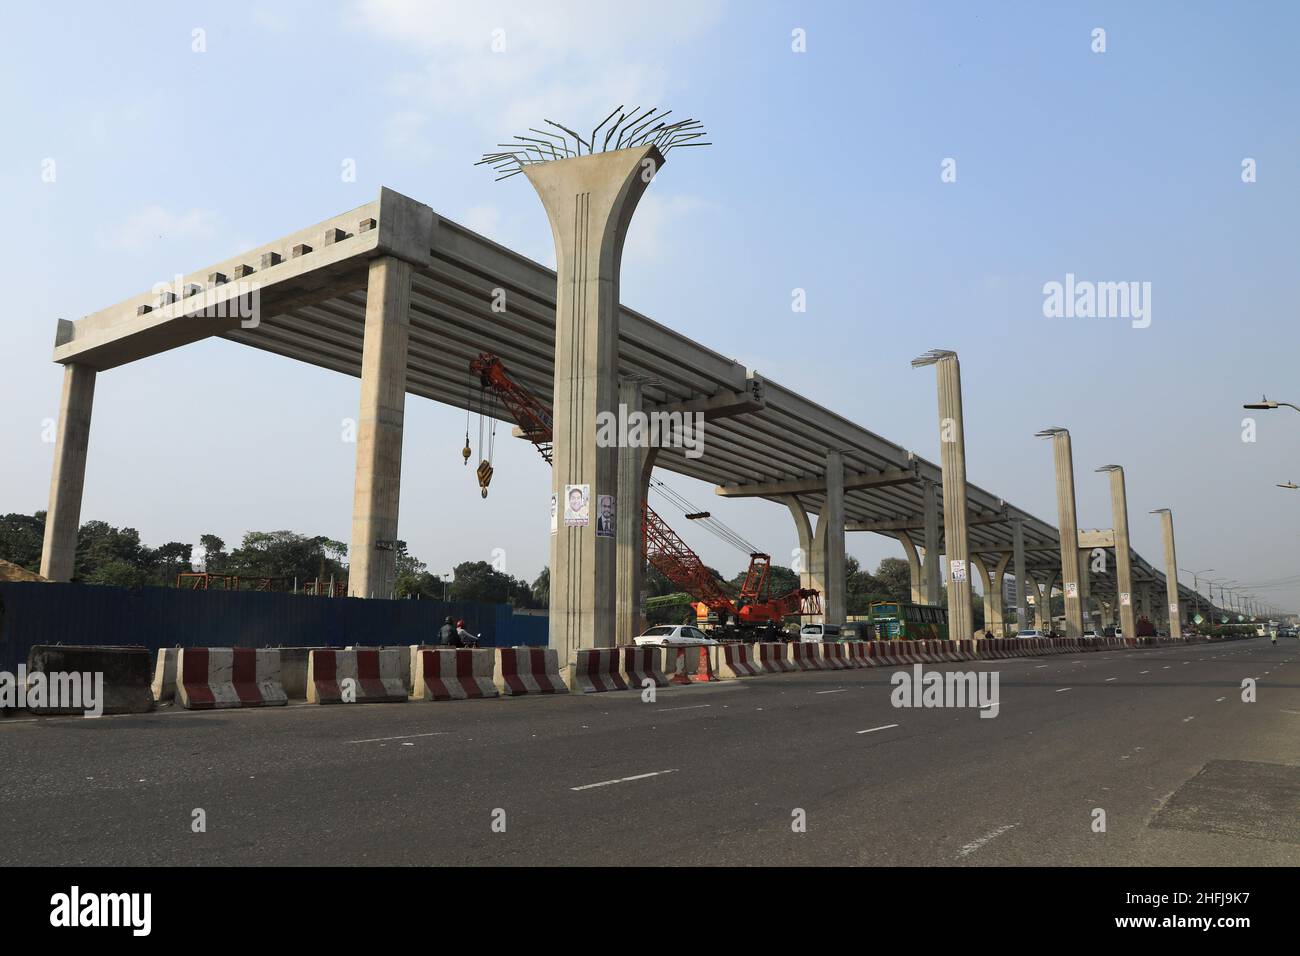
(484, 475)
(465, 452)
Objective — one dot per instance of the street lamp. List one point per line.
(1289, 485)
(1196, 585)
(1267, 403)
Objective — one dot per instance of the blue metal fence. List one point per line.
(41, 613)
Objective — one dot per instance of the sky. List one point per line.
(152, 139)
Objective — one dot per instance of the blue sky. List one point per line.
(824, 175)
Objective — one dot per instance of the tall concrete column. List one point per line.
(1018, 551)
(913, 568)
(68, 477)
(1069, 528)
(952, 459)
(372, 558)
(933, 592)
(1171, 574)
(1045, 606)
(589, 201)
(1085, 587)
(1125, 598)
(991, 579)
(635, 465)
(830, 528)
(809, 569)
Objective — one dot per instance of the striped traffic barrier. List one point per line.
(456, 673)
(640, 664)
(217, 678)
(859, 654)
(360, 675)
(528, 670)
(737, 660)
(596, 670)
(804, 656)
(772, 658)
(835, 656)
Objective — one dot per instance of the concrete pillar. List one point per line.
(1069, 529)
(68, 477)
(589, 201)
(932, 591)
(372, 559)
(991, 580)
(952, 460)
(1085, 588)
(635, 465)
(830, 528)
(913, 567)
(1018, 552)
(1171, 574)
(803, 528)
(1045, 606)
(1125, 598)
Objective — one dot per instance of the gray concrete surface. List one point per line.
(1140, 734)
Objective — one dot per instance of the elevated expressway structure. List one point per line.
(403, 298)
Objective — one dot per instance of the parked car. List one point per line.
(1029, 635)
(674, 635)
(1090, 633)
(817, 633)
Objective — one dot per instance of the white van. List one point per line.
(817, 633)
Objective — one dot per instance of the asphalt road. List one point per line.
(1160, 739)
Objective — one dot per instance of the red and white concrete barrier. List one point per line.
(772, 658)
(216, 678)
(528, 670)
(360, 675)
(639, 664)
(458, 673)
(596, 670)
(835, 656)
(858, 654)
(737, 660)
(804, 656)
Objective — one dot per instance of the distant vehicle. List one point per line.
(856, 631)
(1119, 632)
(1090, 633)
(674, 635)
(909, 622)
(1029, 635)
(817, 633)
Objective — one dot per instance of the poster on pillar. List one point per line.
(1173, 609)
(1071, 590)
(605, 516)
(555, 513)
(958, 571)
(1124, 599)
(577, 506)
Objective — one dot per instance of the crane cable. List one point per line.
(713, 525)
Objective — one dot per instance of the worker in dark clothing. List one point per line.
(447, 634)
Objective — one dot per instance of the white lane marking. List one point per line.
(1296, 712)
(1062, 690)
(691, 707)
(974, 845)
(1109, 679)
(1186, 719)
(1042, 665)
(1076, 662)
(874, 729)
(840, 691)
(1221, 700)
(1144, 672)
(607, 783)
(375, 740)
(1165, 668)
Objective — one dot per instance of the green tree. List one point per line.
(21, 539)
(542, 588)
(215, 558)
(894, 577)
(286, 554)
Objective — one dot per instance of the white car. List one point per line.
(818, 633)
(674, 635)
(1028, 635)
(1091, 633)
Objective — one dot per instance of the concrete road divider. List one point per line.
(882, 652)
(454, 673)
(528, 670)
(858, 654)
(293, 670)
(772, 658)
(68, 678)
(220, 678)
(596, 670)
(163, 687)
(363, 675)
(737, 660)
(835, 656)
(639, 664)
(805, 657)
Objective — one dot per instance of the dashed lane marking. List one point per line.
(840, 691)
(691, 707)
(1062, 690)
(874, 729)
(610, 783)
(974, 845)
(375, 740)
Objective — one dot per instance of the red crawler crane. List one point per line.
(664, 550)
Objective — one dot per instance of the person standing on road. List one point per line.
(447, 635)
